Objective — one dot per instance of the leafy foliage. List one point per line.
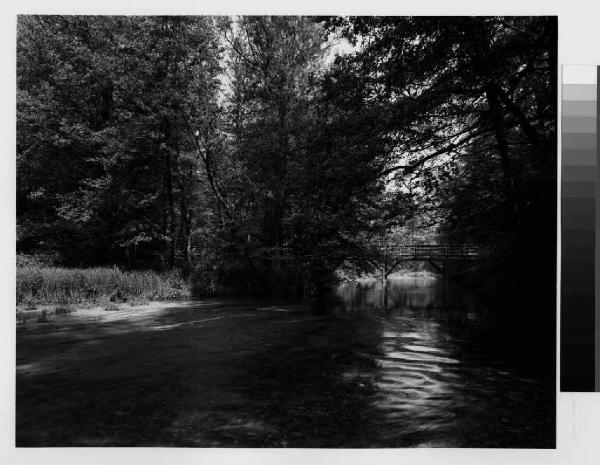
(467, 109)
(243, 148)
(107, 107)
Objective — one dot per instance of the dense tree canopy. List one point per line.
(106, 110)
(467, 109)
(245, 150)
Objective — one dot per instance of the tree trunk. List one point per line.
(185, 226)
(512, 193)
(171, 206)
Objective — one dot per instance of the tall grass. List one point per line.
(40, 284)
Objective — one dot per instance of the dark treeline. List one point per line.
(250, 154)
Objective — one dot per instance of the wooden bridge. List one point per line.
(386, 256)
(428, 251)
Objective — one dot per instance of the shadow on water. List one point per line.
(411, 365)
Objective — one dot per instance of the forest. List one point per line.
(259, 155)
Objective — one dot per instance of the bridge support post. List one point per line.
(445, 278)
(384, 266)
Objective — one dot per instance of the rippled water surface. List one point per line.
(411, 364)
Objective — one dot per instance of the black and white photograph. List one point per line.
(286, 231)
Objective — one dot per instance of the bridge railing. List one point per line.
(431, 250)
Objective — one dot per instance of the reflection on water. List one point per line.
(424, 292)
(415, 364)
(438, 381)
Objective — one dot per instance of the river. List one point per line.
(414, 364)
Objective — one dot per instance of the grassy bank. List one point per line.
(41, 285)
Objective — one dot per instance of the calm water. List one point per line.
(412, 365)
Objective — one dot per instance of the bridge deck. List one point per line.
(429, 251)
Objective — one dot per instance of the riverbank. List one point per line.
(61, 290)
(87, 313)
